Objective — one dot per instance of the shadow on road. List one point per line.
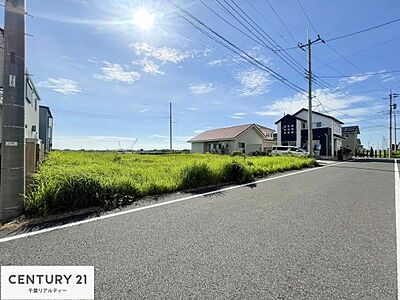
(252, 185)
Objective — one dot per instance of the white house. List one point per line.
(244, 138)
(31, 110)
(327, 132)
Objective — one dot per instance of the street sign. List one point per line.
(11, 144)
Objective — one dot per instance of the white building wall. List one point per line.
(279, 134)
(298, 133)
(325, 121)
(337, 128)
(198, 148)
(252, 139)
(31, 111)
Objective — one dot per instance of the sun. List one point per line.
(144, 19)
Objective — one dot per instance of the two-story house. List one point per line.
(327, 132)
(351, 139)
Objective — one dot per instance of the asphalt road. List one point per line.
(327, 233)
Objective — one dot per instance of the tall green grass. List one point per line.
(71, 180)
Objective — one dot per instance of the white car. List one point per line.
(284, 150)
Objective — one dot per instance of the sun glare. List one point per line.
(143, 19)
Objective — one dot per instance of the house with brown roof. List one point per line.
(246, 138)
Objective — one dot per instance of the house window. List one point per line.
(29, 89)
(303, 125)
(319, 124)
(242, 145)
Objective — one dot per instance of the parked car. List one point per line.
(284, 150)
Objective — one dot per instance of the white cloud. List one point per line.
(354, 79)
(61, 85)
(336, 105)
(216, 62)
(163, 54)
(207, 51)
(253, 82)
(193, 108)
(387, 77)
(198, 131)
(256, 52)
(148, 66)
(93, 60)
(238, 115)
(144, 110)
(116, 72)
(217, 102)
(202, 88)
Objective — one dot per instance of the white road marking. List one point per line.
(33, 233)
(397, 210)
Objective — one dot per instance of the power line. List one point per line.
(329, 46)
(353, 33)
(212, 34)
(325, 84)
(352, 116)
(260, 32)
(348, 61)
(367, 73)
(305, 14)
(281, 21)
(367, 49)
(362, 31)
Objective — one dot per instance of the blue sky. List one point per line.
(108, 82)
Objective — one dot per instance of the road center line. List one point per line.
(29, 234)
(397, 210)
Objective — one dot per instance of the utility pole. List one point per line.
(310, 78)
(170, 127)
(395, 127)
(392, 96)
(12, 181)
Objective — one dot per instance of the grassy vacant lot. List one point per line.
(70, 180)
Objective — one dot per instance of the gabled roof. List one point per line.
(351, 129)
(288, 115)
(227, 133)
(47, 108)
(321, 114)
(264, 129)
